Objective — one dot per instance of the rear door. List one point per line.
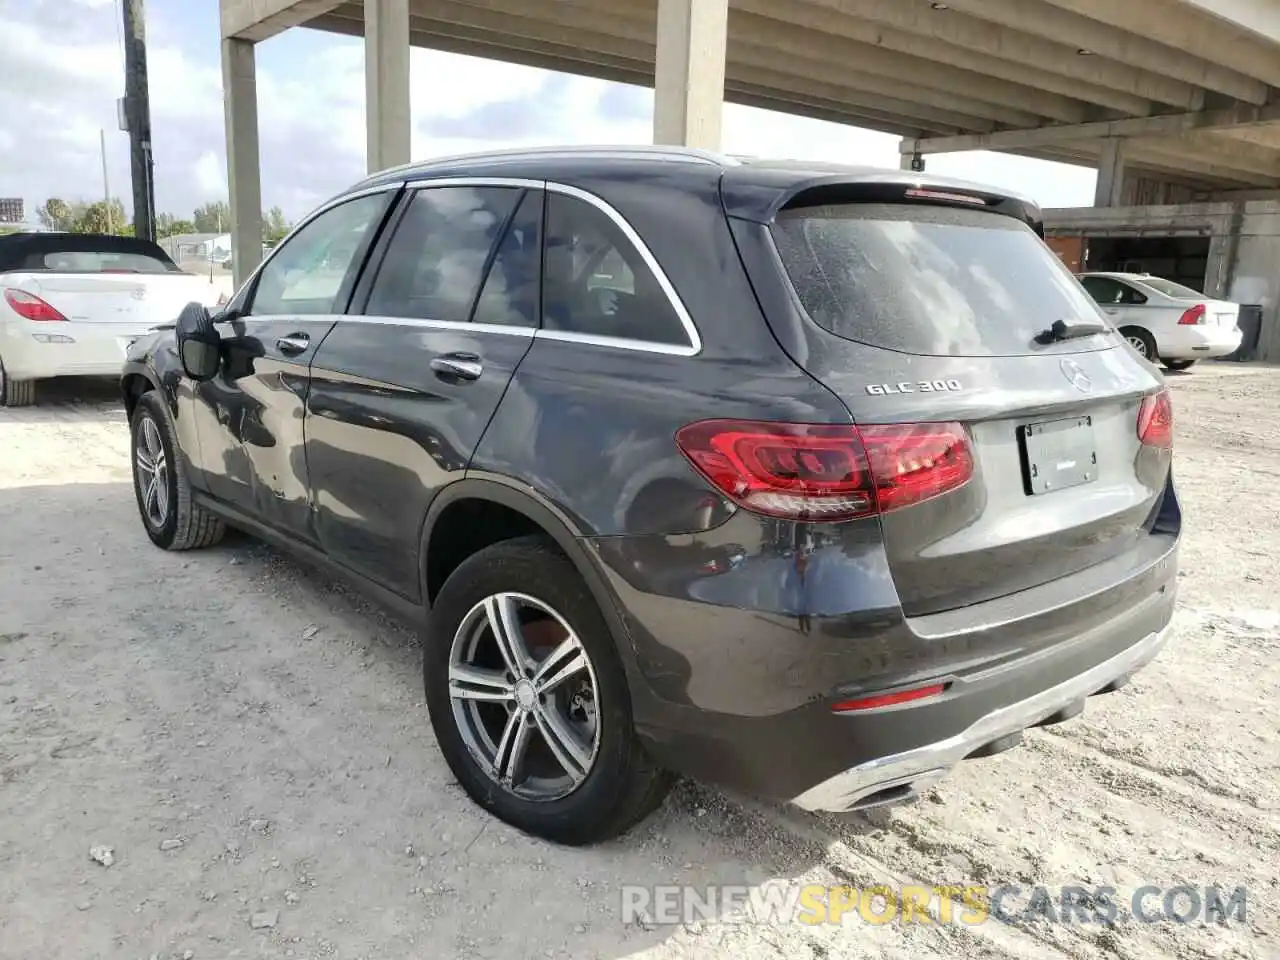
(932, 314)
(249, 418)
(404, 387)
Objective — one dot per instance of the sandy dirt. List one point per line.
(272, 790)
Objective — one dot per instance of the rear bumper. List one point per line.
(33, 351)
(1200, 342)
(742, 695)
(900, 776)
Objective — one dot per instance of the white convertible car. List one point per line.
(70, 304)
(1165, 321)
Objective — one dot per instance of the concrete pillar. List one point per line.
(688, 83)
(1110, 189)
(240, 104)
(386, 82)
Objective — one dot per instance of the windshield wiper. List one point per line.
(1071, 329)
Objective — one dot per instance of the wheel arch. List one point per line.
(535, 516)
(135, 380)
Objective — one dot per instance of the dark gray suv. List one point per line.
(805, 479)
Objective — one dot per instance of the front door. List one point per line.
(403, 387)
(250, 416)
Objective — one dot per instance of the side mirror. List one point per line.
(199, 344)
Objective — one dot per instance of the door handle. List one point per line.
(457, 366)
(294, 343)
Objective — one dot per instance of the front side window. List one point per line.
(436, 260)
(595, 281)
(306, 275)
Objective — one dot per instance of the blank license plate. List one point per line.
(1059, 454)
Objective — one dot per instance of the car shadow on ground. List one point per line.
(239, 687)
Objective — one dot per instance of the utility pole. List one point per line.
(106, 184)
(138, 111)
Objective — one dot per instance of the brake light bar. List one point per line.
(29, 306)
(1192, 316)
(888, 699)
(918, 193)
(823, 472)
(1155, 420)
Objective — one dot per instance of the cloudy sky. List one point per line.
(63, 70)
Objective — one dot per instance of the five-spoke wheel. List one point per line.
(524, 696)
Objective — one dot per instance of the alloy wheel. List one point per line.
(1138, 344)
(525, 697)
(152, 473)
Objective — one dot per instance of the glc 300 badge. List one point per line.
(917, 386)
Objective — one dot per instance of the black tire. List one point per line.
(16, 393)
(185, 524)
(1142, 341)
(1178, 365)
(623, 785)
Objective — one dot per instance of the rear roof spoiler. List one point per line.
(759, 193)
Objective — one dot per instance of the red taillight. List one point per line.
(888, 699)
(29, 306)
(821, 472)
(1193, 316)
(1155, 420)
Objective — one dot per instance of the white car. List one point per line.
(1165, 321)
(70, 304)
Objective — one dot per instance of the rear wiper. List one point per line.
(1071, 329)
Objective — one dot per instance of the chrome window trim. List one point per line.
(459, 326)
(692, 348)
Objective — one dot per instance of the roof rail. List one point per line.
(621, 152)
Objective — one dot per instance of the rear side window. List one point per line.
(927, 280)
(1110, 290)
(437, 258)
(88, 261)
(595, 281)
(1171, 289)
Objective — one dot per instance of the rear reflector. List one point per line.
(1193, 316)
(887, 699)
(1155, 420)
(29, 306)
(827, 472)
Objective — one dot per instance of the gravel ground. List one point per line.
(272, 790)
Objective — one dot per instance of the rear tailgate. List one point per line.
(927, 313)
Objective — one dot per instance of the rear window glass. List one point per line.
(936, 281)
(1171, 289)
(91, 261)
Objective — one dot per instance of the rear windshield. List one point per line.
(92, 261)
(937, 281)
(1171, 289)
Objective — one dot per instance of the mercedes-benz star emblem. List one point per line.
(1075, 373)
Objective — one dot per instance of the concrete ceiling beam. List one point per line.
(1063, 26)
(1181, 27)
(258, 20)
(1259, 17)
(755, 49)
(919, 18)
(1165, 125)
(1047, 94)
